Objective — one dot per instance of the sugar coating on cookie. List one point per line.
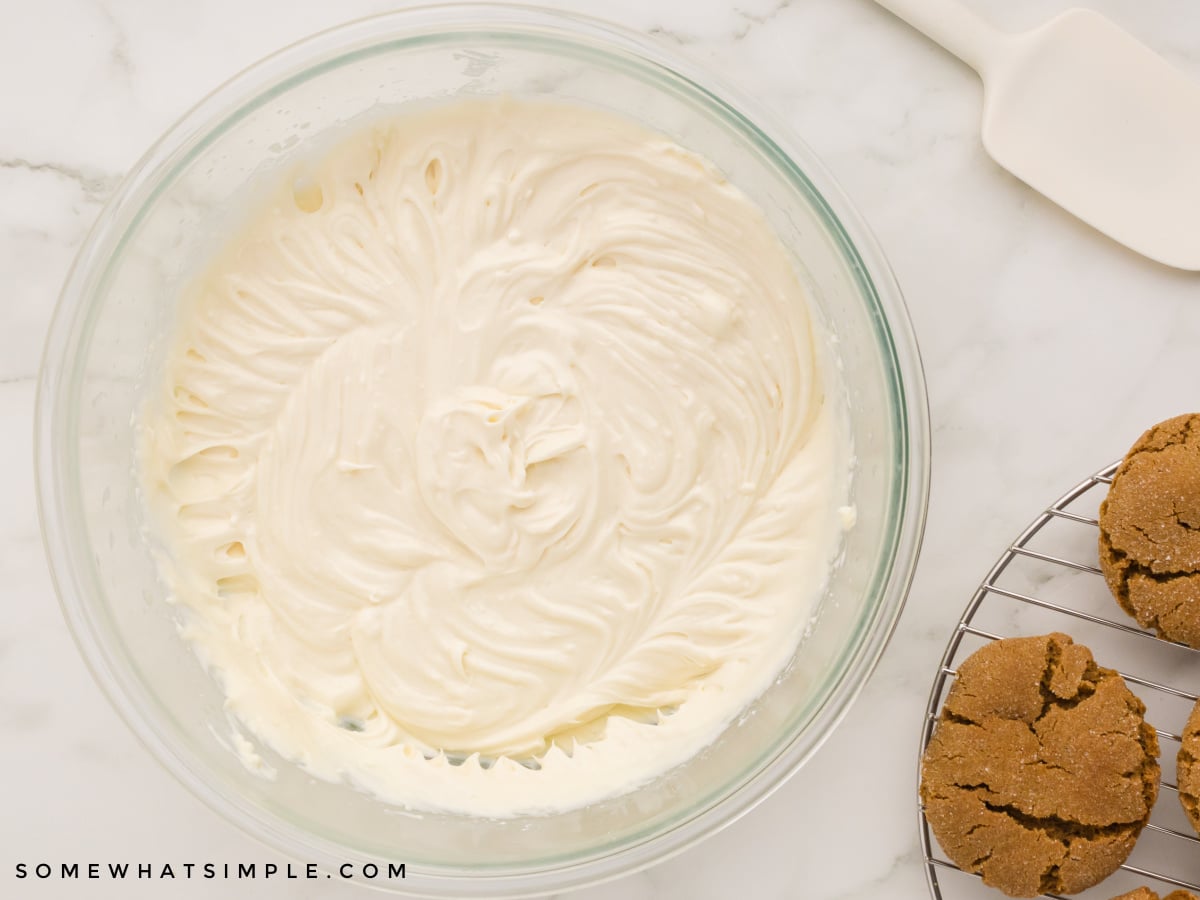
(1144, 893)
(1188, 768)
(1150, 531)
(1042, 770)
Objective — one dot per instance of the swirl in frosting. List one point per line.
(500, 435)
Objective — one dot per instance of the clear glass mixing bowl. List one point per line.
(178, 205)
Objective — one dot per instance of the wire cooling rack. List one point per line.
(1047, 581)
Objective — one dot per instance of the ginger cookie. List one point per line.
(1188, 768)
(1042, 770)
(1150, 531)
(1147, 894)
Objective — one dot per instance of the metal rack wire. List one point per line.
(1048, 581)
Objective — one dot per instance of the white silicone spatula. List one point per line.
(1082, 112)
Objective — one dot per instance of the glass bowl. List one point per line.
(178, 205)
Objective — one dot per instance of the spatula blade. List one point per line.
(1104, 127)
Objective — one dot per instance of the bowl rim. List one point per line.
(257, 83)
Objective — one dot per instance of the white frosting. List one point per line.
(499, 434)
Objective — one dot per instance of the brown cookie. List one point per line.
(1188, 768)
(1042, 770)
(1150, 531)
(1147, 894)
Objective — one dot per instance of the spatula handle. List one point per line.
(955, 27)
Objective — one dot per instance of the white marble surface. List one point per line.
(1047, 350)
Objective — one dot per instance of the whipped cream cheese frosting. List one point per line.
(495, 460)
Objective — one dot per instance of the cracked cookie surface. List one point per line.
(1188, 768)
(1150, 531)
(1042, 770)
(1143, 893)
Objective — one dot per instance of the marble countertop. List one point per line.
(1047, 348)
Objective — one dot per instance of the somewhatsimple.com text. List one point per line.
(207, 871)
